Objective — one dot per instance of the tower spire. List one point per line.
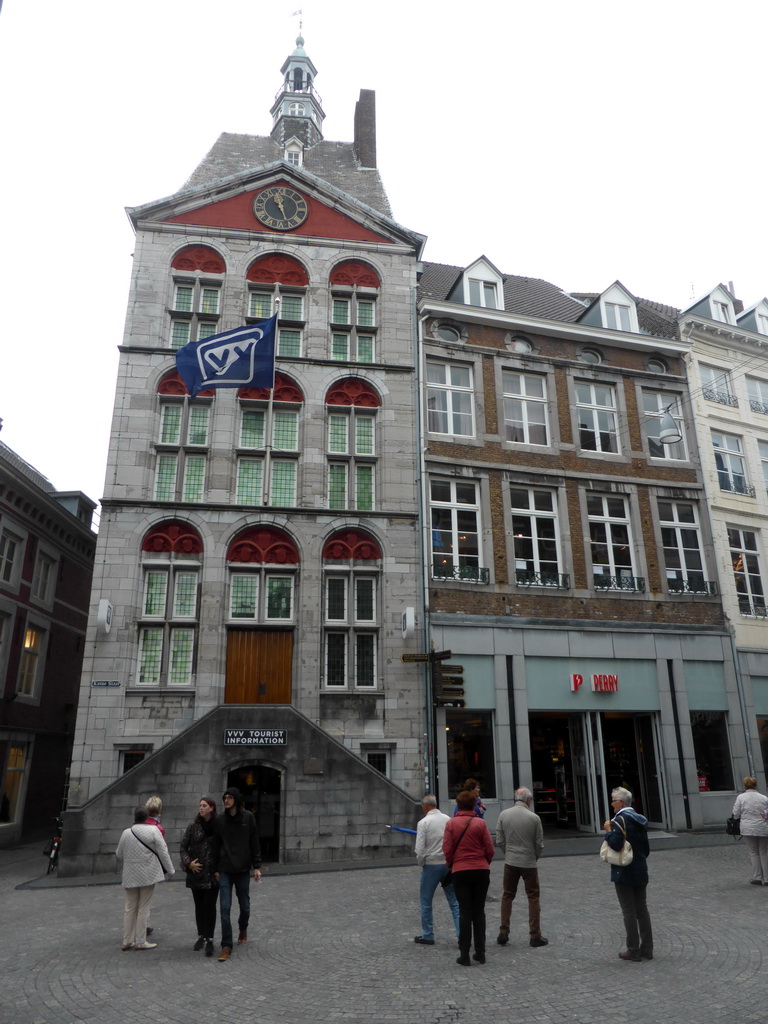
(297, 113)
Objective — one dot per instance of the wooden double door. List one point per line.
(259, 666)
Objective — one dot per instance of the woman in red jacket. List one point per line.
(469, 850)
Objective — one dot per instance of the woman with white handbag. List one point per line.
(625, 849)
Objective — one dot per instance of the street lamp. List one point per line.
(669, 432)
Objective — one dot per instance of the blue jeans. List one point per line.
(242, 883)
(431, 876)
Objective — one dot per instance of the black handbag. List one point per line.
(733, 827)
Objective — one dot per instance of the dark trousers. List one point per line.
(241, 883)
(530, 877)
(205, 911)
(637, 920)
(471, 888)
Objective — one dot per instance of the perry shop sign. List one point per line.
(601, 682)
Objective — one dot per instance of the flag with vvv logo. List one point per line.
(244, 357)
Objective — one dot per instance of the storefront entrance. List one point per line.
(578, 758)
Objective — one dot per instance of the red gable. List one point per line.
(237, 212)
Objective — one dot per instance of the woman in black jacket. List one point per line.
(197, 859)
(627, 825)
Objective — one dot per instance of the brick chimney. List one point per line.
(365, 128)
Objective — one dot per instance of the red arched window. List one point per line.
(285, 390)
(172, 384)
(351, 545)
(353, 391)
(258, 593)
(173, 537)
(276, 268)
(354, 273)
(199, 258)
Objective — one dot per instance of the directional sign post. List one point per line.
(410, 658)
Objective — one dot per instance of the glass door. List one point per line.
(650, 770)
(587, 765)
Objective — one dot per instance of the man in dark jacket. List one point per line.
(236, 852)
(628, 825)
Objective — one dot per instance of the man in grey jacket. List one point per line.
(520, 836)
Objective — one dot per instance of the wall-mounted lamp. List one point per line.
(670, 432)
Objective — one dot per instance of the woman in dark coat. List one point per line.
(197, 861)
(631, 881)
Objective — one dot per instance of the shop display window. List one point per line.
(470, 750)
(709, 730)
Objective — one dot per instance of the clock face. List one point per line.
(280, 208)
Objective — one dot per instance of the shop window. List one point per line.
(469, 736)
(15, 767)
(709, 730)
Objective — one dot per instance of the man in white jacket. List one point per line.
(146, 861)
(429, 854)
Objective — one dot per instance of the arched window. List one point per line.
(351, 617)
(296, 109)
(276, 276)
(171, 558)
(355, 289)
(197, 279)
(262, 563)
(351, 406)
(181, 447)
(268, 446)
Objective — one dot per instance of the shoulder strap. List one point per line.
(462, 835)
(148, 848)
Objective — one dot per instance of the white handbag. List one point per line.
(621, 858)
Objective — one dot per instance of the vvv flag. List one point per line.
(241, 358)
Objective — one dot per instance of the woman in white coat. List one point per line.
(146, 861)
(751, 808)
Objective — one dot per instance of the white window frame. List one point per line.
(618, 316)
(716, 384)
(757, 392)
(358, 334)
(530, 404)
(347, 631)
(351, 453)
(12, 546)
(456, 564)
(29, 680)
(729, 456)
(685, 576)
(203, 323)
(655, 405)
(262, 609)
(762, 451)
(746, 562)
(589, 408)
(448, 386)
(612, 525)
(44, 577)
(530, 566)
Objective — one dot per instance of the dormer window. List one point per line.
(762, 323)
(483, 293)
(721, 311)
(296, 110)
(617, 316)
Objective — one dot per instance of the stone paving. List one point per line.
(337, 946)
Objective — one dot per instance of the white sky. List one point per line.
(575, 141)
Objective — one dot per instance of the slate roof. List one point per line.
(334, 162)
(528, 296)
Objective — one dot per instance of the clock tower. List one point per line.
(297, 113)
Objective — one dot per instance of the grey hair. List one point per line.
(154, 806)
(429, 800)
(523, 794)
(622, 794)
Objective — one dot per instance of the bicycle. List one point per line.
(52, 849)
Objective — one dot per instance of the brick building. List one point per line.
(569, 553)
(258, 549)
(47, 548)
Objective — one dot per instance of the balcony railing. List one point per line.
(463, 573)
(735, 486)
(722, 397)
(558, 580)
(605, 582)
(759, 611)
(758, 407)
(692, 586)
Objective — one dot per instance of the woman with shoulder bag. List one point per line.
(631, 880)
(198, 862)
(469, 850)
(750, 810)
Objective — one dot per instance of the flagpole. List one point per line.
(268, 424)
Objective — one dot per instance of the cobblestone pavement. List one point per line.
(337, 946)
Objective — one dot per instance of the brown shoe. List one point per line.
(242, 938)
(225, 954)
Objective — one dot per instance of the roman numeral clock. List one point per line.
(280, 208)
